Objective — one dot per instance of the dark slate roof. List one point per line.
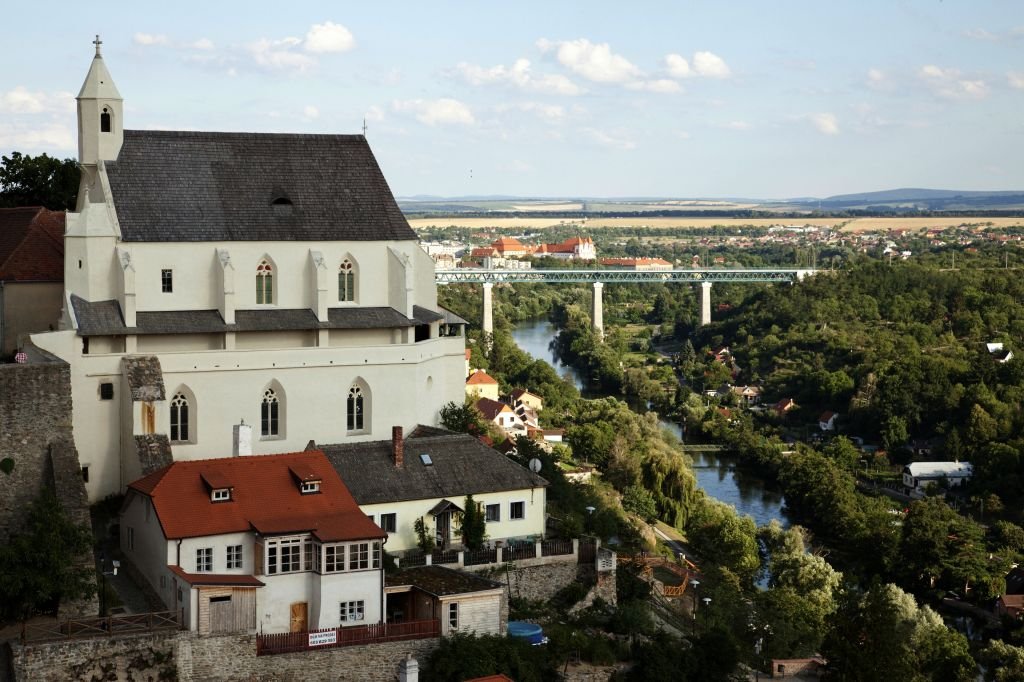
(425, 315)
(200, 186)
(462, 465)
(145, 378)
(440, 581)
(103, 318)
(450, 317)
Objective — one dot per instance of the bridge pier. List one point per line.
(597, 309)
(488, 325)
(705, 303)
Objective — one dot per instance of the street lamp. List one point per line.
(696, 584)
(103, 587)
(707, 603)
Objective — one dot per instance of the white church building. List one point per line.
(221, 284)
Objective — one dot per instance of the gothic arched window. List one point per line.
(105, 120)
(346, 281)
(180, 418)
(264, 283)
(356, 409)
(270, 412)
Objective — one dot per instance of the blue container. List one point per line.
(529, 631)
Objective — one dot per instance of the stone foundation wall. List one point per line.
(535, 583)
(136, 657)
(191, 658)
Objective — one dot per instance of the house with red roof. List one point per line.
(31, 273)
(509, 246)
(480, 384)
(274, 543)
(498, 412)
(574, 248)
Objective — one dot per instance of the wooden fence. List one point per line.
(556, 547)
(82, 628)
(291, 642)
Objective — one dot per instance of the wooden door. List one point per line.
(299, 620)
(222, 614)
(443, 529)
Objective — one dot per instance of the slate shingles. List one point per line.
(200, 186)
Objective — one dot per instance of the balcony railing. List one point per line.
(358, 635)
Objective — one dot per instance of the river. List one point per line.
(716, 473)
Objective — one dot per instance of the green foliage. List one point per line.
(1003, 662)
(425, 538)
(462, 657)
(474, 524)
(711, 657)
(640, 501)
(462, 418)
(38, 181)
(40, 566)
(724, 538)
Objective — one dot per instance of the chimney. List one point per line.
(397, 446)
(241, 440)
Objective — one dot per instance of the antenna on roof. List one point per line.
(364, 126)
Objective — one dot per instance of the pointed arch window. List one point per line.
(346, 281)
(180, 418)
(105, 120)
(264, 283)
(356, 409)
(270, 412)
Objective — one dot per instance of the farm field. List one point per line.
(847, 225)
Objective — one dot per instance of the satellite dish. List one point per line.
(535, 465)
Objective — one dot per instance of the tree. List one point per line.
(462, 418)
(640, 501)
(1003, 662)
(41, 565)
(424, 537)
(38, 181)
(462, 657)
(474, 524)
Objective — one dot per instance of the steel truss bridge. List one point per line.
(610, 276)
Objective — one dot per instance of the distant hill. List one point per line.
(924, 199)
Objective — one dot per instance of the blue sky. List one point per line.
(560, 98)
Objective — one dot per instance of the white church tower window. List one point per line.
(346, 281)
(264, 283)
(270, 413)
(180, 418)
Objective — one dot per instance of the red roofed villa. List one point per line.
(480, 384)
(274, 543)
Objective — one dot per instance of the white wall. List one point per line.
(322, 594)
(407, 512)
(479, 613)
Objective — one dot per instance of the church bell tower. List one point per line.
(100, 114)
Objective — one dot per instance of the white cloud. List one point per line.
(737, 125)
(516, 166)
(677, 66)
(683, 135)
(876, 77)
(329, 37)
(49, 137)
(950, 84)
(201, 44)
(438, 111)
(594, 61)
(281, 55)
(981, 34)
(825, 123)
(148, 39)
(710, 65)
(1015, 79)
(661, 85)
(20, 100)
(309, 112)
(374, 113)
(519, 75)
(550, 112)
(614, 141)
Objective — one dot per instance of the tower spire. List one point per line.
(97, 43)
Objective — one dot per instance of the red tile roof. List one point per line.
(265, 497)
(480, 377)
(490, 408)
(31, 245)
(215, 578)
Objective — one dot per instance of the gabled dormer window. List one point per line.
(310, 487)
(220, 495)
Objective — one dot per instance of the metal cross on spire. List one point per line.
(97, 43)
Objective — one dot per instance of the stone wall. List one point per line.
(35, 411)
(233, 658)
(535, 583)
(137, 657)
(191, 658)
(35, 433)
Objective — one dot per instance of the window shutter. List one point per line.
(257, 558)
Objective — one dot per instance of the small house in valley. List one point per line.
(480, 384)
(917, 476)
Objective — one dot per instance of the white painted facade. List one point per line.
(143, 542)
(478, 613)
(533, 505)
(224, 374)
